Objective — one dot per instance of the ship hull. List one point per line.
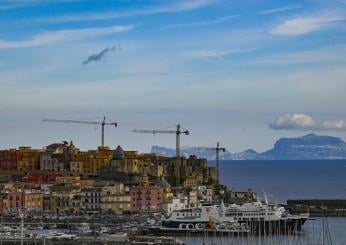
(161, 231)
(270, 227)
(282, 226)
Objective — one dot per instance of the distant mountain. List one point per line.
(245, 155)
(310, 146)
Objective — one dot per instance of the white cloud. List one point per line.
(293, 121)
(305, 122)
(335, 125)
(281, 9)
(307, 24)
(202, 23)
(63, 35)
(177, 6)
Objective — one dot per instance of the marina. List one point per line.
(321, 231)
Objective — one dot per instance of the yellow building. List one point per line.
(80, 167)
(91, 162)
(30, 158)
(115, 198)
(99, 159)
(81, 163)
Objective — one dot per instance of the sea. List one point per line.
(281, 180)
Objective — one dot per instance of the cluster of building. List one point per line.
(65, 159)
(62, 179)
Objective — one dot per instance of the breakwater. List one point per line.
(319, 207)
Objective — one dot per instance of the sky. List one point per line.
(243, 73)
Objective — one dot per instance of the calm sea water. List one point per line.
(282, 180)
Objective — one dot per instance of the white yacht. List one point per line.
(265, 217)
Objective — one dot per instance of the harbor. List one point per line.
(323, 231)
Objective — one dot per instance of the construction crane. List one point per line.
(218, 149)
(177, 132)
(103, 123)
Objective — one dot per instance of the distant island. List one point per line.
(308, 147)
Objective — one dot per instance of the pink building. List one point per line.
(145, 197)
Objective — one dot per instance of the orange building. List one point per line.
(9, 159)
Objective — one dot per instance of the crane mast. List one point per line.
(103, 123)
(217, 150)
(177, 132)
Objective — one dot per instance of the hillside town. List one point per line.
(61, 179)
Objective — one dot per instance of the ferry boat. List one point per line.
(257, 217)
(197, 221)
(265, 218)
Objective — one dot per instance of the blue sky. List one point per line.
(240, 72)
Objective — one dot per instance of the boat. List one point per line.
(265, 218)
(198, 221)
(61, 236)
(255, 218)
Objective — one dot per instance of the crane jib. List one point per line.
(103, 123)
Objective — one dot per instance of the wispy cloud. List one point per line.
(219, 53)
(14, 4)
(176, 6)
(305, 122)
(333, 54)
(302, 25)
(97, 57)
(10, 6)
(63, 36)
(216, 21)
(280, 9)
